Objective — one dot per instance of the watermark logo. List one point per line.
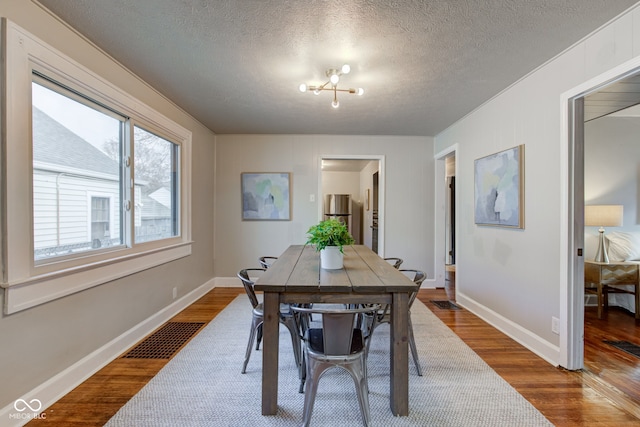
(27, 410)
(21, 405)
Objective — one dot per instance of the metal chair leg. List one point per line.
(310, 389)
(414, 349)
(295, 340)
(259, 337)
(256, 323)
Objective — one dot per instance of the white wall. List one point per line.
(46, 340)
(611, 171)
(409, 194)
(513, 277)
(341, 183)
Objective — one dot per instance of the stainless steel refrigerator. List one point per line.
(341, 207)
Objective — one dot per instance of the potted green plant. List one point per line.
(329, 237)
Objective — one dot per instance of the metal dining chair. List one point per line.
(266, 261)
(341, 343)
(384, 316)
(396, 262)
(286, 318)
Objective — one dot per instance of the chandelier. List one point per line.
(332, 85)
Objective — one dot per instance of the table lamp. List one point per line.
(603, 216)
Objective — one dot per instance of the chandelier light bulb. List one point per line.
(334, 76)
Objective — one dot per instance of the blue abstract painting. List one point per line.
(498, 188)
(266, 196)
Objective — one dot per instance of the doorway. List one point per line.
(584, 346)
(445, 217)
(354, 175)
(374, 211)
(583, 105)
(450, 211)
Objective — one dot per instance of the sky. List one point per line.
(91, 125)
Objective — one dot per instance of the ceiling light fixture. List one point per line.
(334, 78)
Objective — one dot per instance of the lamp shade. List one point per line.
(603, 215)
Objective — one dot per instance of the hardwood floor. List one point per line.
(563, 397)
(566, 398)
(97, 399)
(617, 370)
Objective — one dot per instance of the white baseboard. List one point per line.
(430, 284)
(61, 384)
(539, 346)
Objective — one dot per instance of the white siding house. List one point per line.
(74, 209)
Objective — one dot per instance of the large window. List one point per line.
(78, 147)
(77, 151)
(97, 183)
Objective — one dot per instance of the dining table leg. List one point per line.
(399, 354)
(270, 337)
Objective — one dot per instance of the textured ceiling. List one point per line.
(236, 65)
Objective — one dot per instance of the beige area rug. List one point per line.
(202, 385)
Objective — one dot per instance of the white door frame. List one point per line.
(381, 188)
(572, 214)
(440, 253)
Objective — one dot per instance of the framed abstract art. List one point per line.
(499, 189)
(266, 196)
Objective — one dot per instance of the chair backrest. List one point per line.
(396, 262)
(266, 261)
(418, 277)
(338, 327)
(243, 275)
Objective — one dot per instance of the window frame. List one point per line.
(28, 283)
(137, 203)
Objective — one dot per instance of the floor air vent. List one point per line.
(446, 305)
(164, 342)
(626, 346)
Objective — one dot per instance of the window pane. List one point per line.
(156, 184)
(76, 154)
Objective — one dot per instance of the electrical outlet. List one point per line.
(312, 197)
(554, 325)
(175, 293)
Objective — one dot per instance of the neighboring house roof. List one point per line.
(154, 209)
(163, 196)
(55, 144)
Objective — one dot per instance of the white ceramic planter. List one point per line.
(331, 258)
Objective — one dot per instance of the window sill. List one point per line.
(48, 287)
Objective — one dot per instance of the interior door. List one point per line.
(451, 219)
(374, 224)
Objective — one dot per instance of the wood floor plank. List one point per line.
(562, 396)
(614, 367)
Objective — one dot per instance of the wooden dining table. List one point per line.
(296, 277)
